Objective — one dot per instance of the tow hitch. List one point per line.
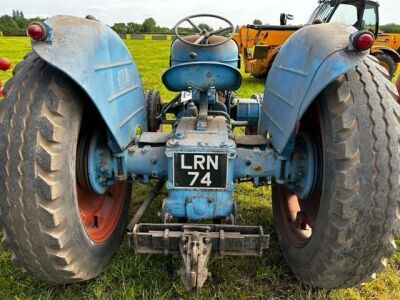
(195, 243)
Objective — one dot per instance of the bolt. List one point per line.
(168, 153)
(169, 185)
(173, 143)
(207, 240)
(248, 162)
(209, 200)
(224, 144)
(153, 160)
(180, 136)
(184, 240)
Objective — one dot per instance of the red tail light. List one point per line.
(5, 64)
(363, 40)
(37, 32)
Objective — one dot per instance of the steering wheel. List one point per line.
(204, 34)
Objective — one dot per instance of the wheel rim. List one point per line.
(299, 216)
(100, 214)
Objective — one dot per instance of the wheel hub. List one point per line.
(100, 204)
(94, 164)
(303, 166)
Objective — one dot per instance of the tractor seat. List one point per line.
(200, 68)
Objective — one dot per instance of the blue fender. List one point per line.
(307, 63)
(95, 57)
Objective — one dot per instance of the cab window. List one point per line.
(346, 13)
(370, 18)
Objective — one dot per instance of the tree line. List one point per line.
(150, 26)
(17, 22)
(390, 28)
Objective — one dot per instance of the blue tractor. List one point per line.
(77, 129)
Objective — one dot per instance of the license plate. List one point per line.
(200, 170)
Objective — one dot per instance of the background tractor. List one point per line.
(260, 44)
(77, 129)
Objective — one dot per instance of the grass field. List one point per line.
(154, 277)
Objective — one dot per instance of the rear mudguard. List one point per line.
(307, 63)
(95, 57)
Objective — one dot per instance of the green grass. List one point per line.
(154, 277)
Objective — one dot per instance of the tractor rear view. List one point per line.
(77, 128)
(260, 44)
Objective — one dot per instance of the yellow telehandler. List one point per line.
(259, 44)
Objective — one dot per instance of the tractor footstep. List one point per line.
(195, 243)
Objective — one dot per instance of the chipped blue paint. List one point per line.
(94, 56)
(304, 67)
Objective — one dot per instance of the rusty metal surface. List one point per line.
(251, 140)
(194, 243)
(226, 240)
(195, 249)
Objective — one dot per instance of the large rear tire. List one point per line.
(342, 233)
(56, 230)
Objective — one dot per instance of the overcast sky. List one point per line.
(167, 12)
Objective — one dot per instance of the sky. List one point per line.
(168, 12)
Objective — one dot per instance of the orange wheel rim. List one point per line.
(300, 216)
(100, 214)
